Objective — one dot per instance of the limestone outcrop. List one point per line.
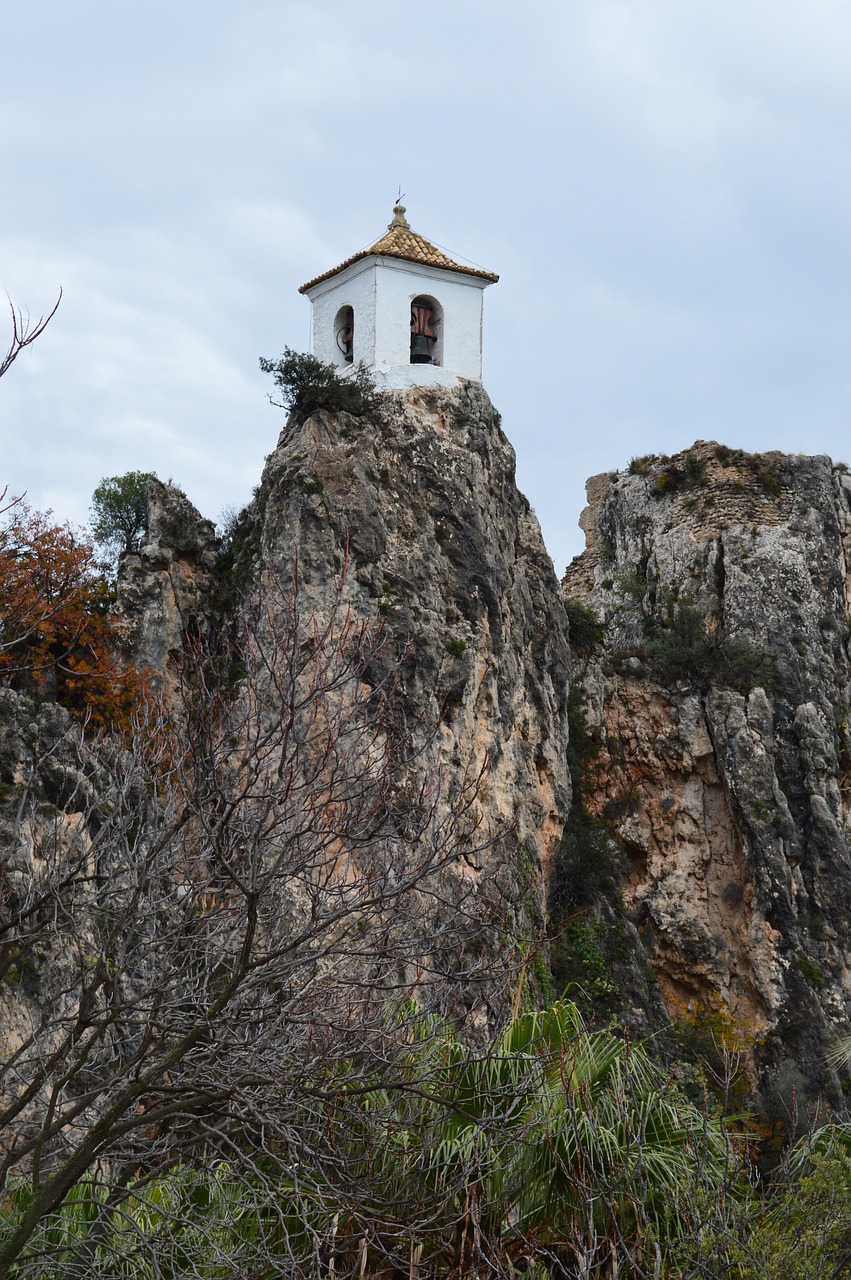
(716, 696)
(418, 512)
(166, 590)
(410, 517)
(718, 701)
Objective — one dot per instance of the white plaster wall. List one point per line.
(400, 376)
(355, 288)
(397, 284)
(380, 292)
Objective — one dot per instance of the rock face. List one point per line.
(717, 701)
(423, 505)
(166, 591)
(411, 517)
(727, 789)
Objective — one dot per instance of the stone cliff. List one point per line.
(410, 517)
(443, 546)
(636, 786)
(716, 696)
(167, 589)
(704, 877)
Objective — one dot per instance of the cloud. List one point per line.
(663, 188)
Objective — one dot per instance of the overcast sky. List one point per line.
(663, 186)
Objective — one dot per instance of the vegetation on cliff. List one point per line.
(119, 511)
(307, 384)
(682, 646)
(557, 1148)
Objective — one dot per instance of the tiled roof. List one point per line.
(399, 241)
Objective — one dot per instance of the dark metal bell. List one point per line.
(421, 346)
(346, 338)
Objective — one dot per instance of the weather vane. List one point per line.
(401, 196)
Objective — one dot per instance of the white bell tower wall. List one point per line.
(380, 291)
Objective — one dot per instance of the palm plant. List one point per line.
(561, 1142)
(561, 1148)
(840, 1054)
(611, 1149)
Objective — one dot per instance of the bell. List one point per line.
(345, 342)
(421, 345)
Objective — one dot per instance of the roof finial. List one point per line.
(399, 219)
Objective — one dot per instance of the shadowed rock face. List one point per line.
(731, 806)
(414, 518)
(46, 786)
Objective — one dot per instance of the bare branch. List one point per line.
(25, 331)
(227, 919)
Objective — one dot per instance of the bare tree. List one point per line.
(24, 332)
(219, 929)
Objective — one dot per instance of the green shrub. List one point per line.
(682, 649)
(586, 865)
(608, 551)
(806, 1233)
(586, 628)
(729, 457)
(764, 471)
(307, 385)
(581, 963)
(770, 483)
(671, 478)
(239, 549)
(667, 480)
(694, 471)
(811, 971)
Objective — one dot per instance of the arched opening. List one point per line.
(426, 331)
(344, 335)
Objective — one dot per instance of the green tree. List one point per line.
(119, 510)
(682, 647)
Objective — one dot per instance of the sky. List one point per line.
(663, 186)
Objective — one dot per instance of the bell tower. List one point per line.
(402, 309)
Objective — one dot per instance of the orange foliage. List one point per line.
(56, 634)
